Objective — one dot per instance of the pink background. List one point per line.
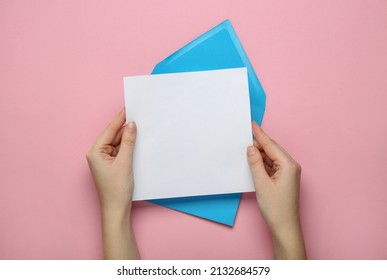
(323, 65)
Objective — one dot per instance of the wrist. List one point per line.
(289, 242)
(118, 237)
(116, 216)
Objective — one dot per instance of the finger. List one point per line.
(266, 159)
(114, 152)
(125, 154)
(117, 138)
(257, 167)
(271, 149)
(256, 144)
(110, 132)
(268, 169)
(105, 149)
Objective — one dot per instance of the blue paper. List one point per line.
(219, 48)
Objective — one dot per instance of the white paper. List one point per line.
(193, 130)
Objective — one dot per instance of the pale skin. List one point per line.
(277, 182)
(276, 178)
(110, 162)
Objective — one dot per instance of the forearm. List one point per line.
(289, 243)
(118, 238)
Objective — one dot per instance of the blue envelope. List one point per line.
(219, 48)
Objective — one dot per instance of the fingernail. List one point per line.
(131, 127)
(251, 151)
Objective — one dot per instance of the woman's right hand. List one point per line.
(277, 181)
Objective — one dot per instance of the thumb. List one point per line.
(257, 167)
(128, 140)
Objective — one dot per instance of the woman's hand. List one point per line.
(110, 162)
(277, 181)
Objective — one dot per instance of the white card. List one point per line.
(193, 130)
